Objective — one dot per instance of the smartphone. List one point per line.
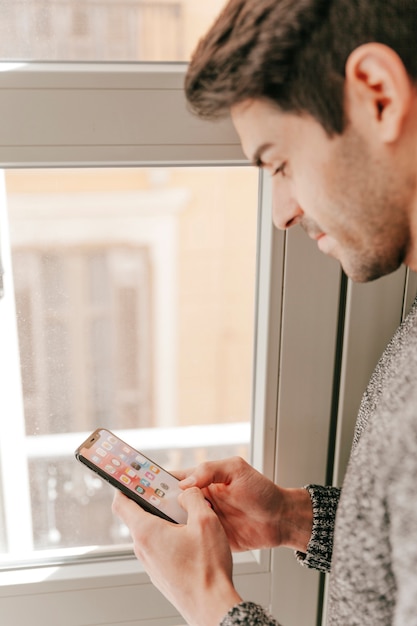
(137, 476)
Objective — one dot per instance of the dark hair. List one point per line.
(293, 53)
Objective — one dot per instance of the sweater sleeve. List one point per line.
(248, 614)
(318, 555)
(320, 547)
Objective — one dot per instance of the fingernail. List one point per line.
(188, 482)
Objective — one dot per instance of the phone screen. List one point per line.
(155, 489)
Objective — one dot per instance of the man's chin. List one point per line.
(366, 273)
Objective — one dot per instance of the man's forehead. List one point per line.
(260, 127)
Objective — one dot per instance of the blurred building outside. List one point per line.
(134, 287)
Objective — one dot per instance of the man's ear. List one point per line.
(378, 89)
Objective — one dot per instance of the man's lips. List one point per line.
(321, 240)
(313, 230)
(315, 235)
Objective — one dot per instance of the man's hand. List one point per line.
(254, 512)
(190, 564)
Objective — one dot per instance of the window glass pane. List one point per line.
(134, 292)
(103, 30)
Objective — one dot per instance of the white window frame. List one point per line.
(63, 115)
(112, 115)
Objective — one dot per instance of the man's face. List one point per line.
(347, 193)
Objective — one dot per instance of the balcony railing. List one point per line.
(71, 507)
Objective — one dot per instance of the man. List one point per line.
(323, 96)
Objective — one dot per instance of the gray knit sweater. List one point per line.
(371, 544)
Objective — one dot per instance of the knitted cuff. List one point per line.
(248, 614)
(320, 546)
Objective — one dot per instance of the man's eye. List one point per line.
(280, 169)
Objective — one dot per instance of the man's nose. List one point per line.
(286, 211)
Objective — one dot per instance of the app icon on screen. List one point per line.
(154, 500)
(145, 482)
(159, 493)
(139, 489)
(125, 479)
(154, 469)
(142, 461)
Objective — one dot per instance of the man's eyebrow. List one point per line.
(256, 159)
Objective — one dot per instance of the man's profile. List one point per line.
(323, 96)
